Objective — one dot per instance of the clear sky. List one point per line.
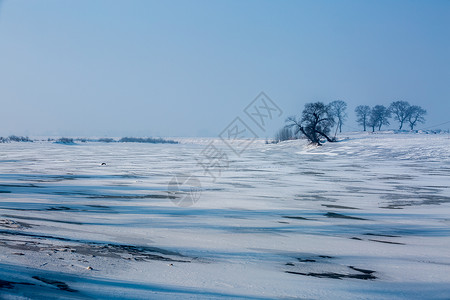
(188, 68)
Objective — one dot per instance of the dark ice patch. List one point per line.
(386, 242)
(336, 275)
(4, 284)
(341, 216)
(338, 206)
(58, 284)
(296, 217)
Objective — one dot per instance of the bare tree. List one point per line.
(363, 113)
(316, 122)
(379, 116)
(416, 115)
(338, 108)
(401, 111)
(372, 122)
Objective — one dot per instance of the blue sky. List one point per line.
(188, 68)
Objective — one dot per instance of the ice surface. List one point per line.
(367, 217)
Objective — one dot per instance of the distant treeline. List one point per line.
(14, 138)
(68, 141)
(146, 140)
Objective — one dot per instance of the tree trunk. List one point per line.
(325, 136)
(413, 123)
(312, 139)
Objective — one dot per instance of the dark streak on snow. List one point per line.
(341, 216)
(338, 206)
(99, 248)
(151, 196)
(296, 218)
(381, 234)
(4, 284)
(59, 284)
(336, 275)
(386, 242)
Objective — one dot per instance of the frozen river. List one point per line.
(367, 217)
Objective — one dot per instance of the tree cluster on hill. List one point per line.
(318, 119)
(379, 115)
